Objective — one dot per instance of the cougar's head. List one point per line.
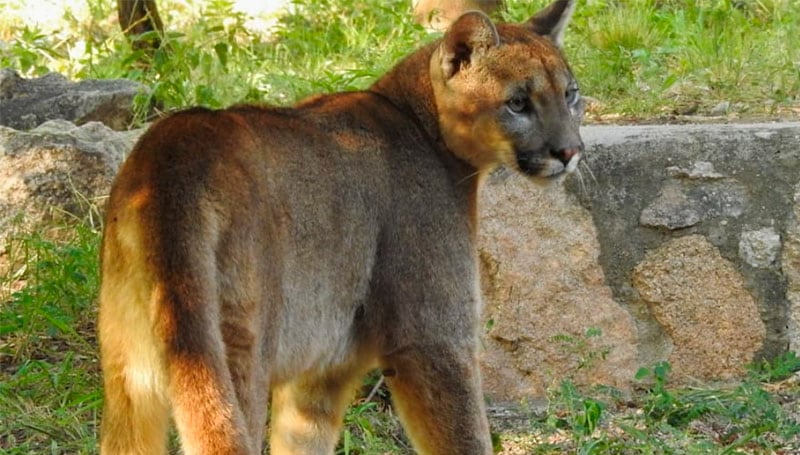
(506, 95)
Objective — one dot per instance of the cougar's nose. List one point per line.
(565, 155)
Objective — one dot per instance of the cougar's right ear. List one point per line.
(464, 42)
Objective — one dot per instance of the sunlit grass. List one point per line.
(640, 59)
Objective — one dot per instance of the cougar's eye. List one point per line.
(518, 104)
(572, 95)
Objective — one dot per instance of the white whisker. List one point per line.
(589, 170)
(581, 183)
(468, 177)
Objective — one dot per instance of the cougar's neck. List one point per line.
(408, 87)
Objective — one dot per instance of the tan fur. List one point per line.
(439, 14)
(288, 251)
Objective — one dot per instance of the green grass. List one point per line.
(49, 381)
(741, 419)
(216, 61)
(650, 58)
(640, 59)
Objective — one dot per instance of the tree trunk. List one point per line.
(137, 17)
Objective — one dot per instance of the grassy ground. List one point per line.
(651, 60)
(642, 60)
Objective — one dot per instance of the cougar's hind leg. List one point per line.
(437, 393)
(135, 415)
(244, 330)
(135, 412)
(172, 356)
(308, 413)
(250, 382)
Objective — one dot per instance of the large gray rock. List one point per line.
(790, 265)
(27, 103)
(56, 171)
(611, 251)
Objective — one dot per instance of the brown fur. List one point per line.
(287, 251)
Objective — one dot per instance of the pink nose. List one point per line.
(565, 155)
(569, 153)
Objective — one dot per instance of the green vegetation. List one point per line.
(214, 60)
(49, 381)
(640, 59)
(651, 58)
(741, 419)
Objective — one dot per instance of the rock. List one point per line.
(721, 108)
(27, 103)
(631, 166)
(760, 248)
(713, 287)
(672, 210)
(543, 290)
(700, 170)
(57, 170)
(790, 264)
(680, 205)
(9, 80)
(701, 302)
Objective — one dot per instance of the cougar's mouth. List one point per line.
(549, 164)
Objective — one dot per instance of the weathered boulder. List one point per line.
(549, 312)
(700, 301)
(677, 243)
(27, 103)
(57, 169)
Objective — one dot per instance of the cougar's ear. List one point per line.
(469, 37)
(552, 21)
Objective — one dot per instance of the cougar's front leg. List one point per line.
(437, 393)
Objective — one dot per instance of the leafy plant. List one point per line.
(579, 415)
(49, 380)
(729, 418)
(781, 367)
(370, 427)
(585, 348)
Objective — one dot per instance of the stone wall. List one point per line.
(56, 172)
(678, 243)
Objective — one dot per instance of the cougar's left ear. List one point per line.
(469, 37)
(552, 21)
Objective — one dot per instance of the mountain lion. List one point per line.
(262, 253)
